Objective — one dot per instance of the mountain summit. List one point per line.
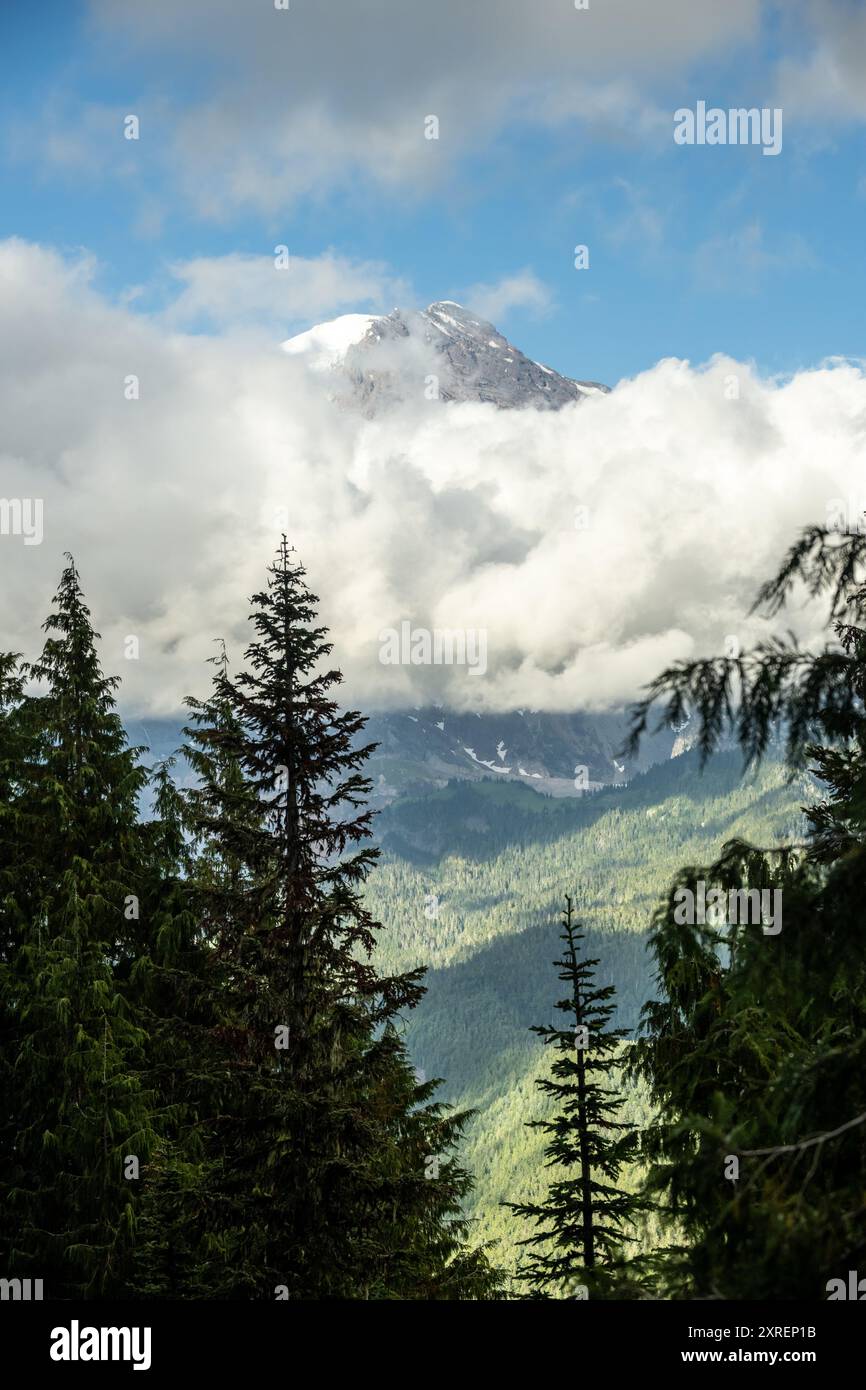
(444, 352)
(449, 353)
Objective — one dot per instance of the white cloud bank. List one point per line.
(446, 516)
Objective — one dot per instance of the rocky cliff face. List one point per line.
(559, 754)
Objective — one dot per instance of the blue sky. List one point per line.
(692, 250)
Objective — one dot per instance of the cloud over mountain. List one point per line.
(593, 543)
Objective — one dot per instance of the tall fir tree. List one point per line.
(329, 1170)
(82, 1112)
(583, 1224)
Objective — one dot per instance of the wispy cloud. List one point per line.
(522, 290)
(260, 129)
(739, 260)
(279, 292)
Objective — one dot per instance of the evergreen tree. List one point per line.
(583, 1222)
(319, 1148)
(14, 899)
(74, 1052)
(754, 1052)
(184, 1059)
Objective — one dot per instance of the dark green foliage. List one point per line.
(73, 860)
(314, 1167)
(197, 993)
(755, 1050)
(583, 1223)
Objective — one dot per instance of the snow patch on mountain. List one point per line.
(326, 345)
(485, 762)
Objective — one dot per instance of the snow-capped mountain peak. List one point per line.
(445, 352)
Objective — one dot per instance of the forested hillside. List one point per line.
(471, 881)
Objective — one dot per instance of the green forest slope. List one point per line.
(471, 883)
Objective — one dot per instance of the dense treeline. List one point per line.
(203, 1090)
